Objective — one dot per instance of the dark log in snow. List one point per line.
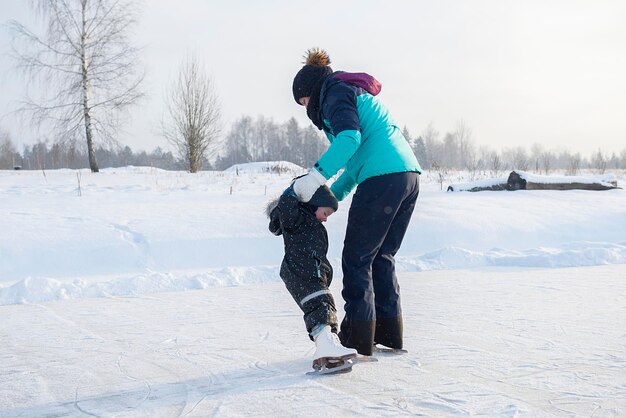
(525, 181)
(519, 180)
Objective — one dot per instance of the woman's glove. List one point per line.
(306, 186)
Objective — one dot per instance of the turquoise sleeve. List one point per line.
(339, 153)
(343, 186)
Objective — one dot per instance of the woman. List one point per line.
(376, 157)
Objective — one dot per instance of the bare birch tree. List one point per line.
(85, 66)
(192, 121)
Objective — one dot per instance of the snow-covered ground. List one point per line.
(154, 293)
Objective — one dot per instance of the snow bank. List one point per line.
(498, 183)
(576, 254)
(133, 227)
(42, 289)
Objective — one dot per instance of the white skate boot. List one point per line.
(330, 356)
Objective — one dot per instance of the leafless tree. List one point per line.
(547, 158)
(192, 122)
(84, 68)
(238, 140)
(573, 164)
(599, 162)
(613, 162)
(433, 147)
(463, 134)
(495, 164)
(7, 151)
(518, 158)
(440, 172)
(472, 164)
(536, 151)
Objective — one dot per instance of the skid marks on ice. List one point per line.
(236, 381)
(545, 344)
(222, 373)
(67, 322)
(139, 387)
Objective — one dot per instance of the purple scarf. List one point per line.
(362, 80)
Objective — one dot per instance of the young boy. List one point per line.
(306, 272)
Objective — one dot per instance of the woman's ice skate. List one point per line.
(381, 349)
(330, 356)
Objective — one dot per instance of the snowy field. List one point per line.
(156, 294)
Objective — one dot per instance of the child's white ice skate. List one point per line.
(330, 356)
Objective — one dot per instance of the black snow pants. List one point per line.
(378, 219)
(310, 290)
(305, 270)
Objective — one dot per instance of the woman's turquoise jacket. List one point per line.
(365, 140)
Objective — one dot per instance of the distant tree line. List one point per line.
(45, 156)
(248, 140)
(456, 150)
(262, 139)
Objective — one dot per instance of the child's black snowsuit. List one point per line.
(305, 270)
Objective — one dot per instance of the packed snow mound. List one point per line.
(267, 167)
(574, 254)
(495, 184)
(606, 179)
(44, 289)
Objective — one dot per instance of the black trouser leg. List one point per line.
(313, 296)
(374, 208)
(389, 327)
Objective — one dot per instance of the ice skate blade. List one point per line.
(380, 349)
(365, 359)
(345, 367)
(319, 362)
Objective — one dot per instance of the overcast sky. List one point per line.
(516, 72)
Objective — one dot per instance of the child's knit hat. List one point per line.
(323, 197)
(316, 67)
